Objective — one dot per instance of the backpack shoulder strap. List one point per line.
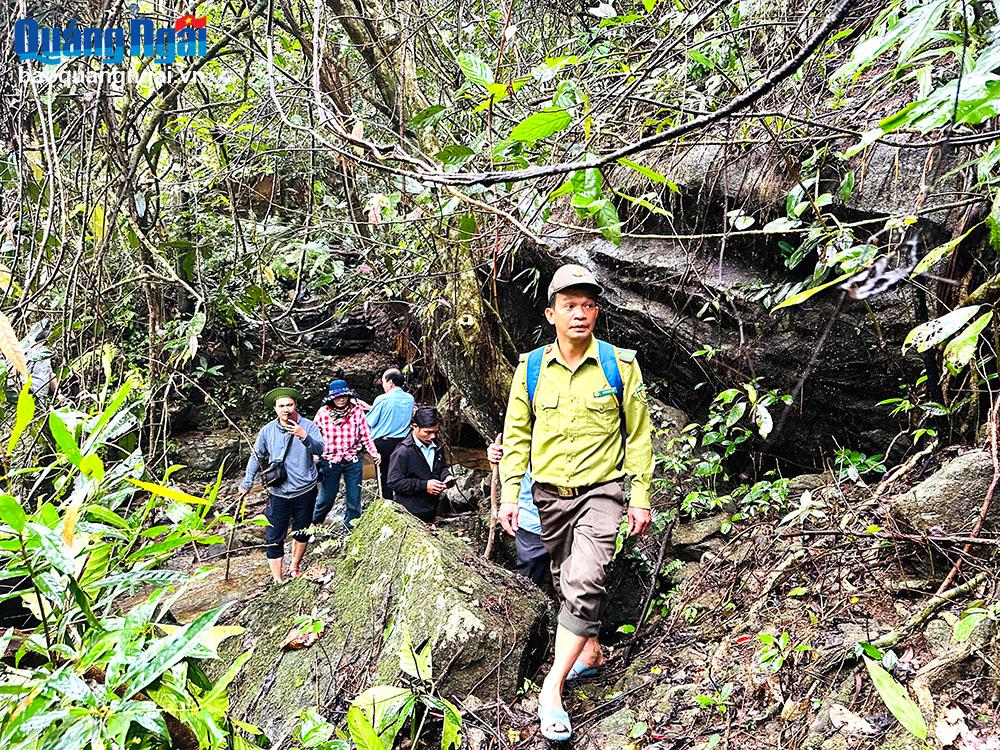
(533, 371)
(609, 363)
(608, 356)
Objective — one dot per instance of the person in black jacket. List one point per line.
(418, 473)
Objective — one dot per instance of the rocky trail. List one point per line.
(762, 637)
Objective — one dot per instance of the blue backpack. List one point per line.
(612, 373)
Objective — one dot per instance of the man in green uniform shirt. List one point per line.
(581, 442)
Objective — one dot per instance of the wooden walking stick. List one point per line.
(494, 481)
(378, 478)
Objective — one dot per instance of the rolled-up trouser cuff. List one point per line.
(577, 625)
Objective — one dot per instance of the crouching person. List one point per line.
(284, 455)
(418, 473)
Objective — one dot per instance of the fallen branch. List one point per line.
(827, 660)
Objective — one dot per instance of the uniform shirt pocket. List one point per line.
(601, 415)
(547, 412)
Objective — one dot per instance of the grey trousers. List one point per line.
(579, 534)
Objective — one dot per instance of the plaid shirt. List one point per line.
(344, 438)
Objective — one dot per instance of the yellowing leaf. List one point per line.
(34, 159)
(807, 293)
(96, 223)
(168, 492)
(10, 345)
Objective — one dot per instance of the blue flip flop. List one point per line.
(549, 717)
(579, 669)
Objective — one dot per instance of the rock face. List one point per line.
(204, 452)
(951, 497)
(391, 580)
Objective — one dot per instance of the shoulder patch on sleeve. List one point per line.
(626, 355)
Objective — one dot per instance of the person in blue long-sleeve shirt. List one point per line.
(298, 440)
(389, 420)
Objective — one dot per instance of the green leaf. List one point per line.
(847, 186)
(993, 222)
(897, 700)
(607, 219)
(638, 730)
(645, 171)
(701, 59)
(386, 708)
(64, 439)
(933, 332)
(798, 591)
(454, 154)
(25, 413)
(965, 627)
(416, 664)
(475, 69)
(12, 514)
(541, 125)
(805, 294)
(164, 652)
(962, 348)
(781, 225)
(428, 116)
(937, 254)
(361, 730)
(54, 549)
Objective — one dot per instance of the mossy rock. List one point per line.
(391, 580)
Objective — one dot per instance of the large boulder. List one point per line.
(390, 582)
(204, 453)
(951, 498)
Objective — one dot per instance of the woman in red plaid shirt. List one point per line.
(345, 432)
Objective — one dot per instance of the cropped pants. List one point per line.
(579, 534)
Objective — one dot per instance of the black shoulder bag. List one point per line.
(274, 473)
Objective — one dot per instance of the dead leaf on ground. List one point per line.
(296, 639)
(951, 726)
(849, 722)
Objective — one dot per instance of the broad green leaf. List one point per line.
(965, 627)
(645, 171)
(937, 254)
(12, 514)
(25, 413)
(64, 439)
(920, 29)
(607, 219)
(210, 640)
(805, 294)
(386, 707)
(414, 663)
(541, 125)
(897, 700)
(167, 492)
(475, 69)
(428, 116)
(780, 225)
(933, 332)
(361, 730)
(454, 153)
(962, 348)
(54, 549)
(451, 733)
(163, 653)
